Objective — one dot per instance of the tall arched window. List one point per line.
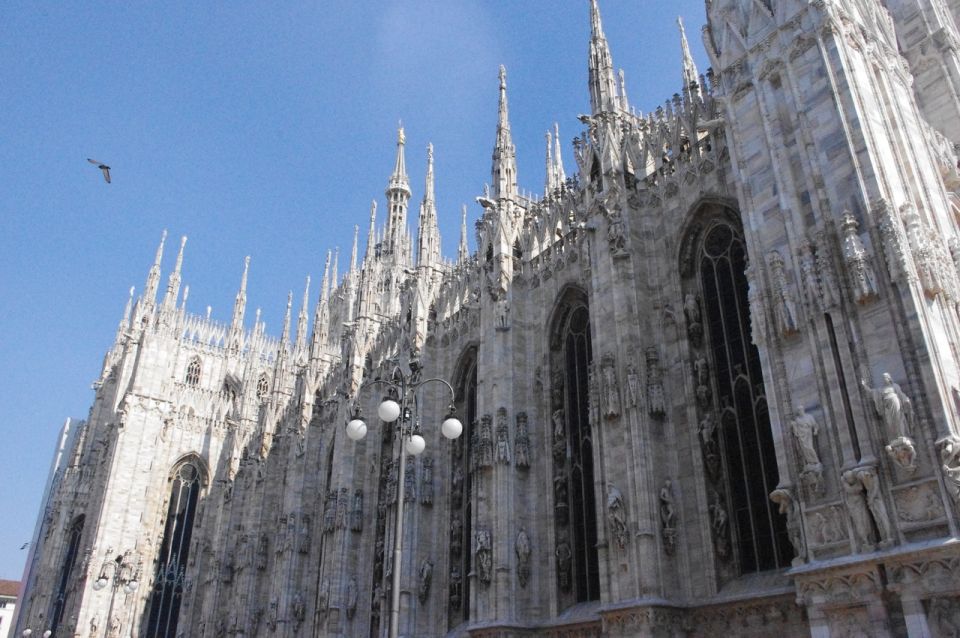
(193, 372)
(461, 501)
(263, 386)
(66, 567)
(575, 508)
(186, 484)
(734, 395)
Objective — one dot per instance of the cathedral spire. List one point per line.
(603, 86)
(550, 182)
(691, 86)
(504, 153)
(302, 319)
(127, 310)
(320, 315)
(428, 234)
(153, 277)
(285, 337)
(335, 279)
(353, 251)
(463, 252)
(558, 156)
(239, 307)
(173, 284)
(398, 198)
(371, 234)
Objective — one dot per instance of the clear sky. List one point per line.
(254, 128)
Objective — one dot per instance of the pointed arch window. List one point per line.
(164, 609)
(736, 396)
(575, 508)
(193, 372)
(263, 386)
(66, 569)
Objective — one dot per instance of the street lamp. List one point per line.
(120, 573)
(404, 387)
(29, 632)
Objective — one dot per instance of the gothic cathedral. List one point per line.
(709, 383)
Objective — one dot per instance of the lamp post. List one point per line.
(119, 572)
(403, 387)
(29, 632)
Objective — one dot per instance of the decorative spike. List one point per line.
(428, 234)
(285, 337)
(624, 103)
(504, 153)
(186, 293)
(335, 280)
(372, 234)
(173, 284)
(550, 183)
(302, 319)
(561, 176)
(353, 252)
(398, 198)
(464, 251)
(127, 310)
(239, 307)
(603, 87)
(153, 277)
(691, 86)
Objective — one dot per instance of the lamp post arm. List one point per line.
(453, 394)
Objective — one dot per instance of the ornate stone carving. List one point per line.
(616, 232)
(918, 504)
(561, 505)
(691, 312)
(503, 437)
(410, 480)
(356, 513)
(790, 508)
(559, 437)
(351, 598)
(865, 506)
(426, 482)
(485, 442)
(924, 254)
(943, 614)
(298, 609)
(896, 411)
(617, 515)
(262, 550)
(522, 442)
(720, 526)
(455, 587)
(805, 429)
(863, 280)
(564, 557)
(825, 527)
(323, 597)
(785, 310)
(390, 478)
(330, 512)
(949, 449)
(303, 534)
(523, 551)
(808, 274)
(656, 401)
(611, 388)
(424, 578)
(456, 534)
(456, 487)
(895, 246)
(668, 518)
(484, 554)
(758, 326)
(633, 386)
(707, 432)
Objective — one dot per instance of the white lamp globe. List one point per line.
(47, 634)
(356, 430)
(27, 632)
(100, 584)
(416, 445)
(451, 428)
(388, 411)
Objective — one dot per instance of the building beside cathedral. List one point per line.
(709, 382)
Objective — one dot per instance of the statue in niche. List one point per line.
(949, 447)
(351, 598)
(704, 394)
(330, 512)
(244, 552)
(424, 577)
(304, 534)
(691, 311)
(656, 401)
(564, 558)
(611, 390)
(426, 482)
(701, 370)
(633, 386)
(867, 476)
(484, 553)
(356, 514)
(522, 442)
(410, 481)
(668, 518)
(896, 410)
(262, 549)
(456, 488)
(708, 443)
(115, 626)
(559, 437)
(862, 275)
(323, 597)
(502, 314)
(94, 625)
(456, 587)
(375, 602)
(805, 428)
(523, 551)
(485, 443)
(719, 524)
(789, 507)
(298, 608)
(456, 534)
(272, 618)
(617, 515)
(503, 438)
(944, 616)
(784, 308)
(561, 507)
(556, 388)
(616, 233)
(857, 509)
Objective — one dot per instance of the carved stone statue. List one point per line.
(351, 598)
(303, 533)
(857, 509)
(522, 442)
(719, 523)
(617, 515)
(503, 437)
(656, 401)
(668, 518)
(424, 577)
(115, 626)
(949, 447)
(330, 512)
(701, 370)
(298, 608)
(456, 587)
(611, 390)
(559, 437)
(878, 509)
(791, 509)
(426, 482)
(564, 558)
(485, 443)
(784, 308)
(561, 505)
(523, 557)
(323, 597)
(691, 311)
(410, 481)
(633, 386)
(456, 487)
(708, 443)
(892, 405)
(484, 553)
(356, 514)
(805, 428)
(616, 234)
(262, 549)
(855, 257)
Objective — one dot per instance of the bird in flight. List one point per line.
(103, 167)
(24, 546)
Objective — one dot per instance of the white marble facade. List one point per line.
(711, 380)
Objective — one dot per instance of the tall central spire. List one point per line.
(428, 234)
(691, 84)
(504, 153)
(398, 196)
(603, 84)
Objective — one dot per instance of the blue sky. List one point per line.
(254, 128)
